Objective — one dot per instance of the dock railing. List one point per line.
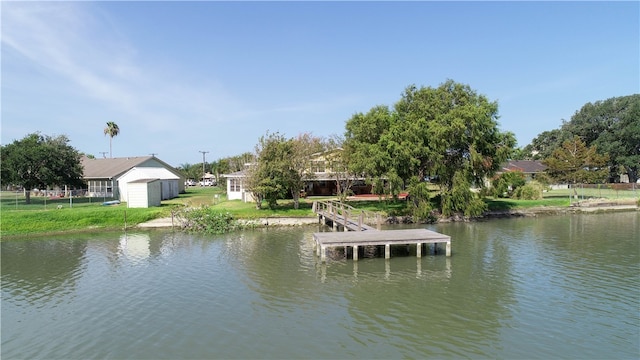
(348, 216)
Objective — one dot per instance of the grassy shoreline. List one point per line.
(46, 216)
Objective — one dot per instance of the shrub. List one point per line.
(205, 220)
(531, 191)
(506, 184)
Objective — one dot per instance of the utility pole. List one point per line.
(203, 162)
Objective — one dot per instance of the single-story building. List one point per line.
(110, 178)
(529, 168)
(236, 189)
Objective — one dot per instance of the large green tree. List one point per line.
(270, 178)
(449, 133)
(363, 142)
(613, 125)
(543, 145)
(112, 130)
(575, 163)
(40, 161)
(302, 148)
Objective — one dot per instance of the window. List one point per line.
(234, 185)
(100, 187)
(318, 166)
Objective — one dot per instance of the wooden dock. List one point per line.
(340, 215)
(358, 234)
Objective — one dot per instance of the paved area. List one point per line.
(157, 223)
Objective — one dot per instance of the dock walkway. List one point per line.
(358, 234)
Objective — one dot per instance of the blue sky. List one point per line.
(184, 77)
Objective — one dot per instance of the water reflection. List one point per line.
(37, 271)
(433, 271)
(526, 288)
(135, 246)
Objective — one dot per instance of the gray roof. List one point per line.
(110, 168)
(237, 174)
(526, 166)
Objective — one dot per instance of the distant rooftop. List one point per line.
(107, 168)
(526, 166)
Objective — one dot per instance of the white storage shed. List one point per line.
(144, 193)
(169, 182)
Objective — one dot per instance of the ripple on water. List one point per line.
(512, 289)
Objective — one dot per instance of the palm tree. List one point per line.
(112, 130)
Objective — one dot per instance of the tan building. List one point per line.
(321, 179)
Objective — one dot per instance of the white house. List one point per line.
(236, 186)
(110, 178)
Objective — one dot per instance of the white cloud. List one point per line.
(77, 42)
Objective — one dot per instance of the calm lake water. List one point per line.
(547, 287)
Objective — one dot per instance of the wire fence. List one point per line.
(52, 198)
(578, 192)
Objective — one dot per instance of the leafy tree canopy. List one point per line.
(543, 145)
(449, 133)
(40, 161)
(575, 163)
(302, 148)
(613, 125)
(271, 177)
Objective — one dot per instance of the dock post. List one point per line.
(323, 254)
(419, 250)
(355, 253)
(346, 221)
(448, 250)
(387, 251)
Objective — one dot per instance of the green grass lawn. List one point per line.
(496, 204)
(43, 215)
(587, 193)
(562, 198)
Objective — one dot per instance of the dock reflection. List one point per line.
(424, 268)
